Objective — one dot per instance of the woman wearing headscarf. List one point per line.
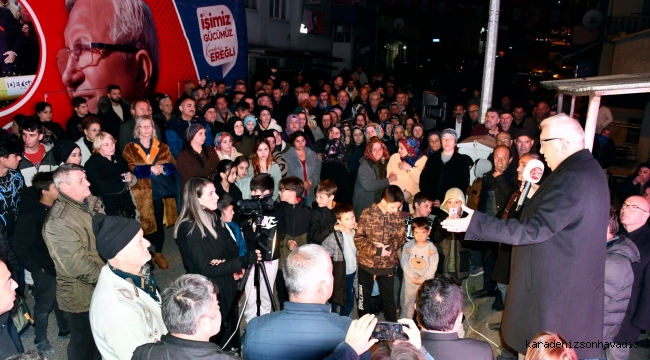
(304, 164)
(223, 145)
(372, 178)
(454, 258)
(434, 143)
(66, 151)
(294, 123)
(242, 143)
(445, 169)
(407, 164)
(335, 165)
(250, 124)
(195, 159)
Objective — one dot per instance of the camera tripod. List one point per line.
(258, 268)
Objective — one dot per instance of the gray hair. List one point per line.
(133, 25)
(185, 301)
(139, 121)
(305, 267)
(374, 93)
(62, 173)
(569, 128)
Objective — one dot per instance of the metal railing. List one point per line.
(628, 24)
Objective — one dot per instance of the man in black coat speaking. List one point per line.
(558, 265)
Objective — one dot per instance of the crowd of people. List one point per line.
(339, 194)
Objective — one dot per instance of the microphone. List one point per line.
(532, 174)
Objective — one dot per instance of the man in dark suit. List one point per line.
(440, 316)
(459, 122)
(11, 41)
(558, 271)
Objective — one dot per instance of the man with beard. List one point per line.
(114, 113)
(474, 114)
(177, 127)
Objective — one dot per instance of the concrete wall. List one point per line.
(626, 7)
(267, 32)
(631, 54)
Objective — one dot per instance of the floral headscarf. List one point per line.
(341, 129)
(412, 146)
(335, 152)
(384, 126)
(378, 129)
(368, 153)
(219, 138)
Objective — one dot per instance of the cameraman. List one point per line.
(273, 226)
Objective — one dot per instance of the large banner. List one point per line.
(54, 50)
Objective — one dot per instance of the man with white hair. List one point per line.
(557, 278)
(123, 32)
(305, 329)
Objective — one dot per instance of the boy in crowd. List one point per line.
(380, 234)
(273, 226)
(340, 245)
(296, 217)
(322, 220)
(422, 202)
(419, 262)
(32, 252)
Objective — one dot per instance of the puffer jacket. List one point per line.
(618, 283)
(375, 226)
(68, 234)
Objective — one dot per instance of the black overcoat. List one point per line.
(558, 269)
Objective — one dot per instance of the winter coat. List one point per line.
(438, 177)
(140, 165)
(245, 146)
(189, 167)
(321, 224)
(313, 169)
(233, 154)
(453, 256)
(331, 244)
(503, 187)
(105, 177)
(28, 243)
(406, 180)
(28, 170)
(637, 316)
(297, 224)
(171, 347)
(10, 195)
(119, 304)
(68, 234)
(365, 186)
(197, 251)
(376, 227)
(563, 232)
(618, 283)
(300, 331)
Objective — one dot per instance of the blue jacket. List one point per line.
(175, 134)
(239, 237)
(300, 331)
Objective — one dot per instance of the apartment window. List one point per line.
(278, 9)
(250, 4)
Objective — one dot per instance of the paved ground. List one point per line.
(481, 314)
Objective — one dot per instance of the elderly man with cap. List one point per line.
(125, 308)
(524, 142)
(456, 172)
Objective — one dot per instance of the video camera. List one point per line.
(256, 205)
(265, 230)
